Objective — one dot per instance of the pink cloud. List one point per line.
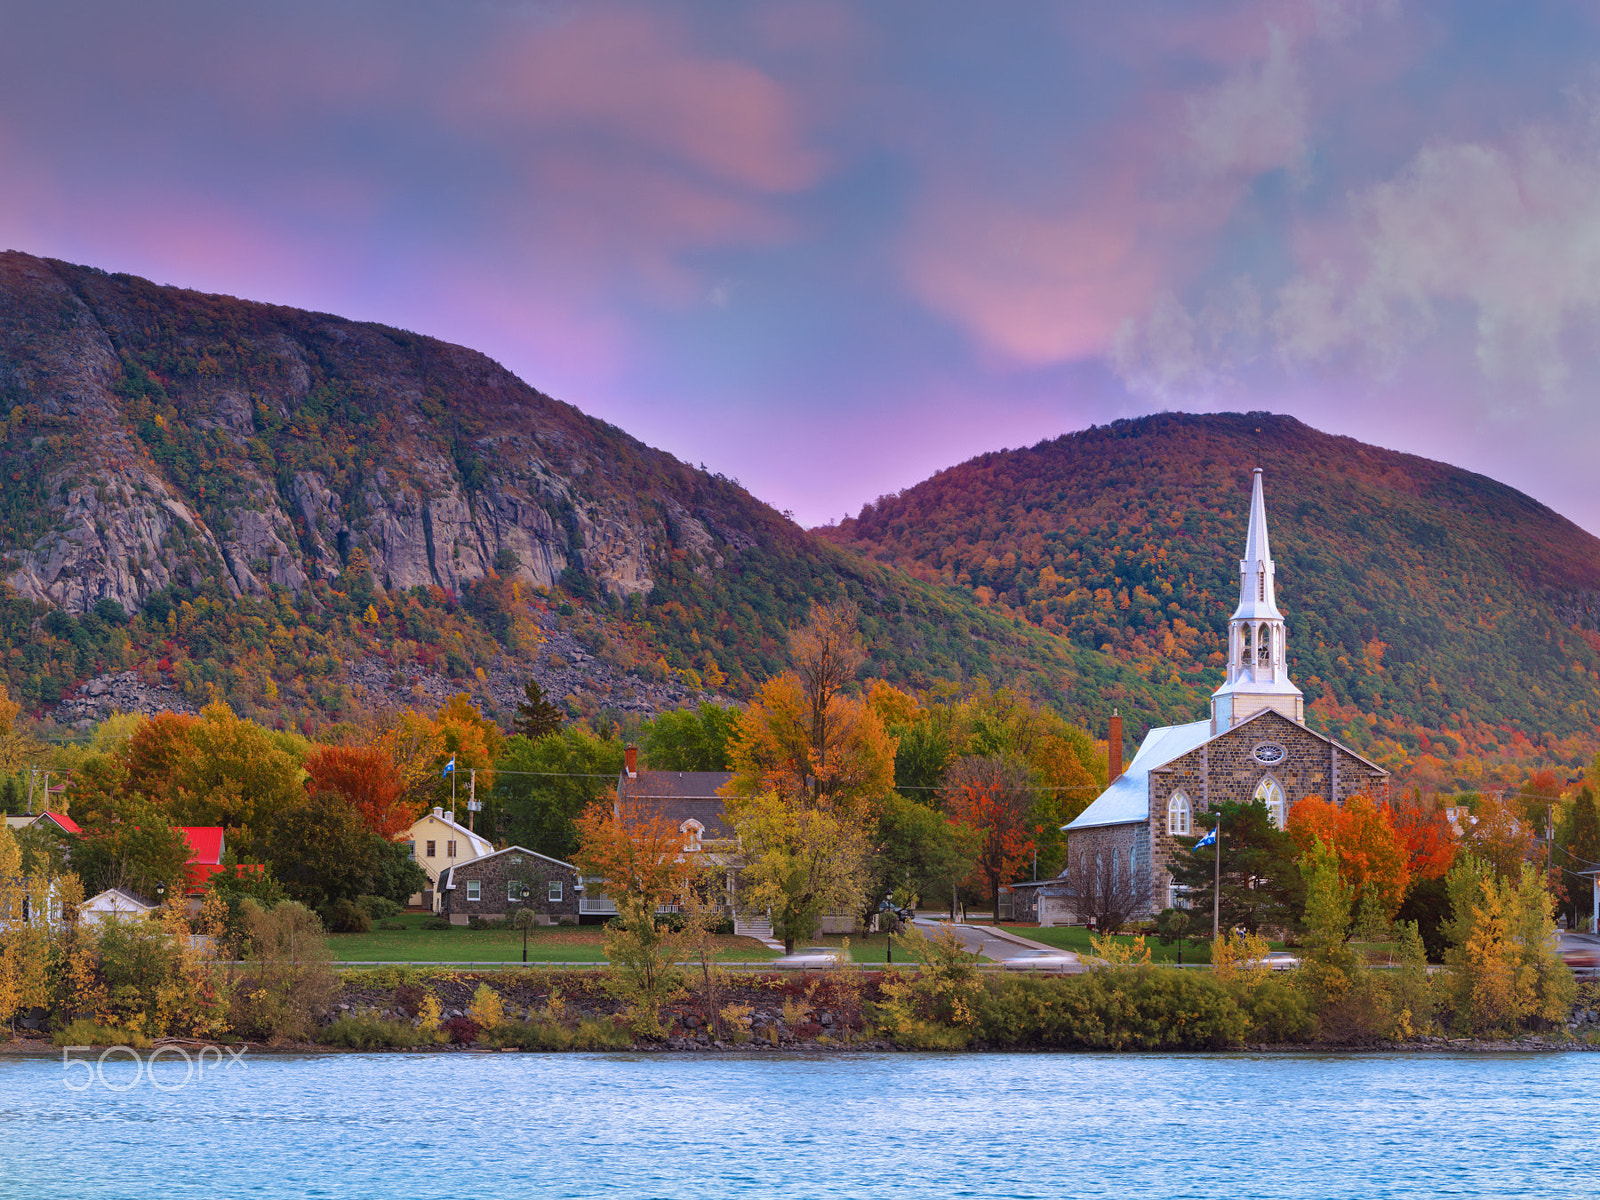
(1034, 286)
(628, 76)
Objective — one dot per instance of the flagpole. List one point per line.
(1216, 885)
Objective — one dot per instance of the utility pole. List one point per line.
(472, 807)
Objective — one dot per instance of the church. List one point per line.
(1254, 745)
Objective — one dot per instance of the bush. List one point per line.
(392, 926)
(378, 908)
(364, 1032)
(1278, 1012)
(1143, 1008)
(462, 1031)
(588, 1034)
(289, 979)
(438, 924)
(345, 916)
(84, 1032)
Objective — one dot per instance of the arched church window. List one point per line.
(1178, 815)
(1270, 794)
(1261, 585)
(1264, 644)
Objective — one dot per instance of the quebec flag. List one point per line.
(448, 767)
(1210, 839)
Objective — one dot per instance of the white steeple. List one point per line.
(1258, 662)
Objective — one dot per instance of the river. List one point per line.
(869, 1125)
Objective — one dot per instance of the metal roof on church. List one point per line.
(1128, 798)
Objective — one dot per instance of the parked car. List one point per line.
(813, 957)
(1044, 960)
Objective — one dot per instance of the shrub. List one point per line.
(378, 908)
(408, 996)
(1278, 1011)
(1145, 1008)
(290, 977)
(84, 1032)
(345, 916)
(366, 1032)
(437, 923)
(488, 1010)
(462, 1031)
(392, 926)
(588, 1034)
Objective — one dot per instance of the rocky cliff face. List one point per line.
(155, 437)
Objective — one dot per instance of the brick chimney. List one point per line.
(1114, 748)
(630, 761)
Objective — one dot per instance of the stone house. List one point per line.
(502, 883)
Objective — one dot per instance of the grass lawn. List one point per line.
(584, 943)
(1076, 937)
(864, 949)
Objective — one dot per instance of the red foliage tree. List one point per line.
(1430, 842)
(994, 798)
(369, 779)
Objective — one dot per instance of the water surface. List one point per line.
(1001, 1125)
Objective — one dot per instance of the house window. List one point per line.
(474, 889)
(555, 891)
(450, 848)
(691, 834)
(1270, 794)
(411, 848)
(1178, 814)
(513, 891)
(431, 847)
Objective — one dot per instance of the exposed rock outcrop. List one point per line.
(171, 437)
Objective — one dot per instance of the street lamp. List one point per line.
(161, 893)
(523, 893)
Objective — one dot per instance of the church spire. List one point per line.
(1256, 592)
(1258, 661)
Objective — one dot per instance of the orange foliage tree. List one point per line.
(994, 798)
(1495, 832)
(634, 851)
(369, 779)
(1373, 858)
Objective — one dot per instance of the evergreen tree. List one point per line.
(536, 716)
(1261, 885)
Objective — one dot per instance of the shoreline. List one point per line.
(41, 1048)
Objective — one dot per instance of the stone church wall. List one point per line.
(1225, 768)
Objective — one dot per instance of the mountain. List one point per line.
(203, 497)
(1440, 620)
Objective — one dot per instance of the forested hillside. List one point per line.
(1434, 614)
(260, 504)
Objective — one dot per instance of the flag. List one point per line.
(448, 767)
(1210, 839)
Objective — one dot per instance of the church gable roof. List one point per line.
(1268, 715)
(1128, 798)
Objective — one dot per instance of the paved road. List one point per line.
(982, 939)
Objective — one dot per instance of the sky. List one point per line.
(827, 248)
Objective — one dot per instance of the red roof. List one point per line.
(205, 843)
(66, 823)
(199, 874)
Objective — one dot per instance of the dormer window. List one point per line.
(692, 831)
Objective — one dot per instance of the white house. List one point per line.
(436, 843)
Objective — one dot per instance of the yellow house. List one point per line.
(437, 842)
